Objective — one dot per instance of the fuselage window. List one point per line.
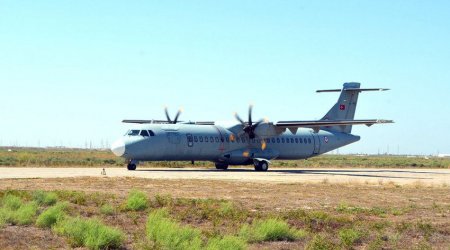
(273, 140)
(200, 138)
(238, 140)
(309, 140)
(133, 132)
(217, 139)
(296, 140)
(243, 140)
(287, 140)
(227, 139)
(301, 140)
(195, 139)
(292, 140)
(282, 140)
(222, 139)
(206, 138)
(278, 140)
(151, 133)
(267, 140)
(211, 139)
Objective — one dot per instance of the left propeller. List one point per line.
(249, 127)
(175, 120)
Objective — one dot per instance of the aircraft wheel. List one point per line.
(264, 166)
(261, 166)
(131, 166)
(221, 166)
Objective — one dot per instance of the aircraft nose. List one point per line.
(118, 148)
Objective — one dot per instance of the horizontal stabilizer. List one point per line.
(350, 89)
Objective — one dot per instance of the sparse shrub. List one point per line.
(270, 230)
(25, 214)
(45, 198)
(14, 211)
(163, 200)
(349, 236)
(90, 233)
(137, 201)
(320, 242)
(12, 202)
(107, 209)
(51, 216)
(75, 197)
(226, 243)
(168, 234)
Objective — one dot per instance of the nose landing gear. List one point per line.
(132, 165)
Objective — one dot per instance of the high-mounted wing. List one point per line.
(145, 121)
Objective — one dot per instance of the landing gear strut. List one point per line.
(261, 165)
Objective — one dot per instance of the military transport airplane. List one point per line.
(246, 142)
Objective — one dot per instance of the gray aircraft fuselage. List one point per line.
(182, 142)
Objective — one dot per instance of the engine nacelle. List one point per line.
(267, 129)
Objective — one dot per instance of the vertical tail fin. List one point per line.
(345, 107)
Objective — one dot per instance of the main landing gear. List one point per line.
(221, 166)
(261, 165)
(132, 165)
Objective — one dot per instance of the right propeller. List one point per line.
(249, 127)
(174, 121)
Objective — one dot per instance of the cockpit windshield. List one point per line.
(133, 132)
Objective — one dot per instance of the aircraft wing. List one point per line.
(327, 123)
(166, 122)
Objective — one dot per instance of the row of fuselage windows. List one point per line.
(147, 133)
(245, 140)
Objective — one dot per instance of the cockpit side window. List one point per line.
(133, 132)
(151, 133)
(144, 133)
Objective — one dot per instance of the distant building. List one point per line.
(444, 155)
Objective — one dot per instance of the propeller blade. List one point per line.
(257, 123)
(177, 115)
(167, 115)
(250, 114)
(239, 118)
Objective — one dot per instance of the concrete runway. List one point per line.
(280, 175)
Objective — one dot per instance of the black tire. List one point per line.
(221, 166)
(131, 166)
(263, 166)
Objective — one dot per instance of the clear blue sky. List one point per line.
(70, 71)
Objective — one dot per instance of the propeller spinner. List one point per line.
(249, 127)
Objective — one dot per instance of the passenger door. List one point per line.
(316, 140)
(190, 140)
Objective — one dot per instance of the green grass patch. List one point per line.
(14, 211)
(136, 201)
(107, 209)
(90, 233)
(45, 198)
(226, 243)
(320, 242)
(168, 234)
(349, 236)
(51, 216)
(270, 230)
